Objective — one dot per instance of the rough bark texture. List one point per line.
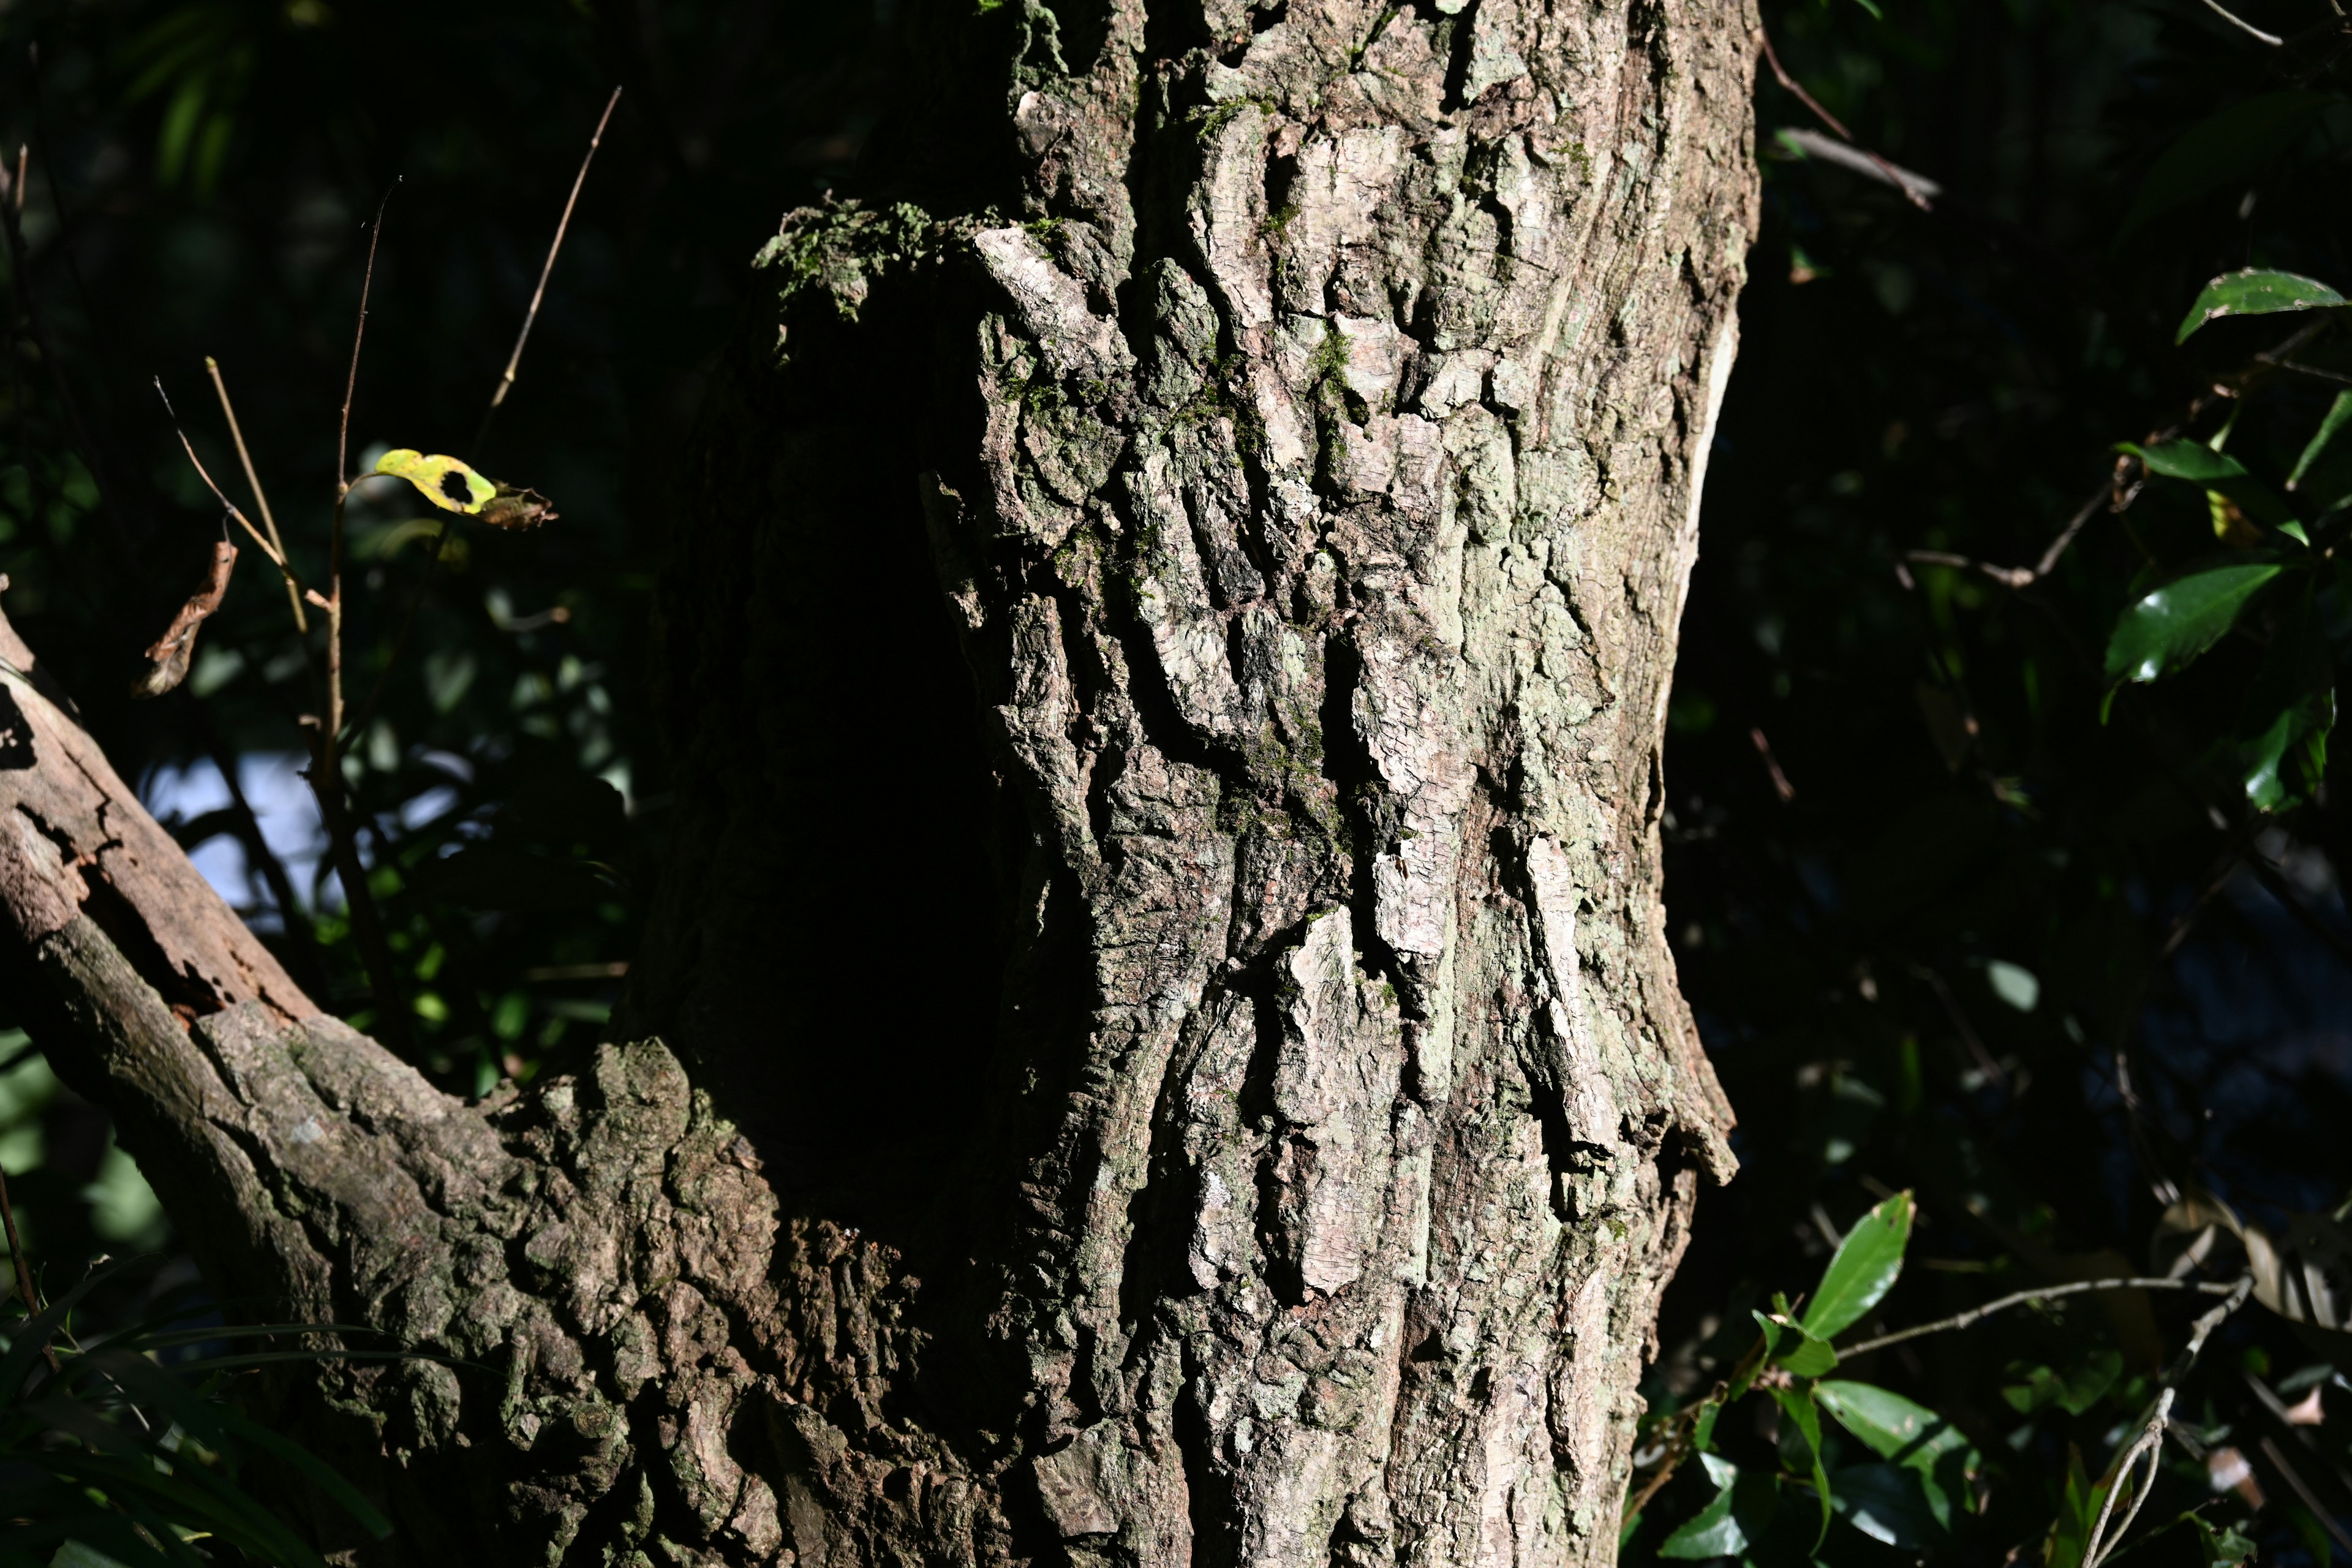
(1224, 1099)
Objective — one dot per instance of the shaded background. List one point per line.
(1934, 916)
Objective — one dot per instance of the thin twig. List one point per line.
(547, 270)
(269, 547)
(1962, 1320)
(2274, 40)
(2149, 1443)
(2302, 1489)
(1781, 785)
(2278, 1409)
(1893, 176)
(2276, 886)
(260, 495)
(482, 432)
(1845, 155)
(2020, 577)
(2007, 576)
(25, 1287)
(327, 773)
(2058, 546)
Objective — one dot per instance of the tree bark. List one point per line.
(1222, 1098)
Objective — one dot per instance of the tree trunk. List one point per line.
(1222, 1098)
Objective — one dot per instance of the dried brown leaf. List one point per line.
(169, 655)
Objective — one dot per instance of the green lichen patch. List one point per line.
(839, 251)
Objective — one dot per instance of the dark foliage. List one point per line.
(1959, 915)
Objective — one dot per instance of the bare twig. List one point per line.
(2276, 886)
(2274, 40)
(326, 770)
(269, 546)
(547, 270)
(2149, 1445)
(2286, 1417)
(227, 506)
(2046, 1293)
(1781, 785)
(482, 432)
(2302, 1489)
(1894, 176)
(2083, 515)
(24, 1288)
(1869, 165)
(2007, 576)
(260, 495)
(2022, 577)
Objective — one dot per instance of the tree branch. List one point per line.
(1962, 1320)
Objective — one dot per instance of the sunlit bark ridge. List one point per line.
(1226, 1102)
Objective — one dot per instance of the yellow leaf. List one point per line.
(447, 482)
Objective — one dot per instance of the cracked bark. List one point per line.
(1220, 1098)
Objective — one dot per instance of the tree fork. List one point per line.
(1223, 1096)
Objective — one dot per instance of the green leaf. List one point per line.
(2224, 1547)
(1892, 1426)
(1862, 1271)
(1713, 1530)
(2340, 413)
(2199, 464)
(1703, 1428)
(2072, 1391)
(1887, 1505)
(1908, 1434)
(1797, 1406)
(2256, 291)
(2282, 764)
(2078, 1509)
(2289, 710)
(2220, 149)
(1789, 1346)
(2167, 627)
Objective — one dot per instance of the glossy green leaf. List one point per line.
(1906, 1434)
(2217, 472)
(1862, 1270)
(1886, 1504)
(2289, 709)
(1715, 1531)
(1790, 1348)
(2169, 626)
(2187, 460)
(2221, 149)
(2284, 762)
(2339, 414)
(1892, 1426)
(2256, 291)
